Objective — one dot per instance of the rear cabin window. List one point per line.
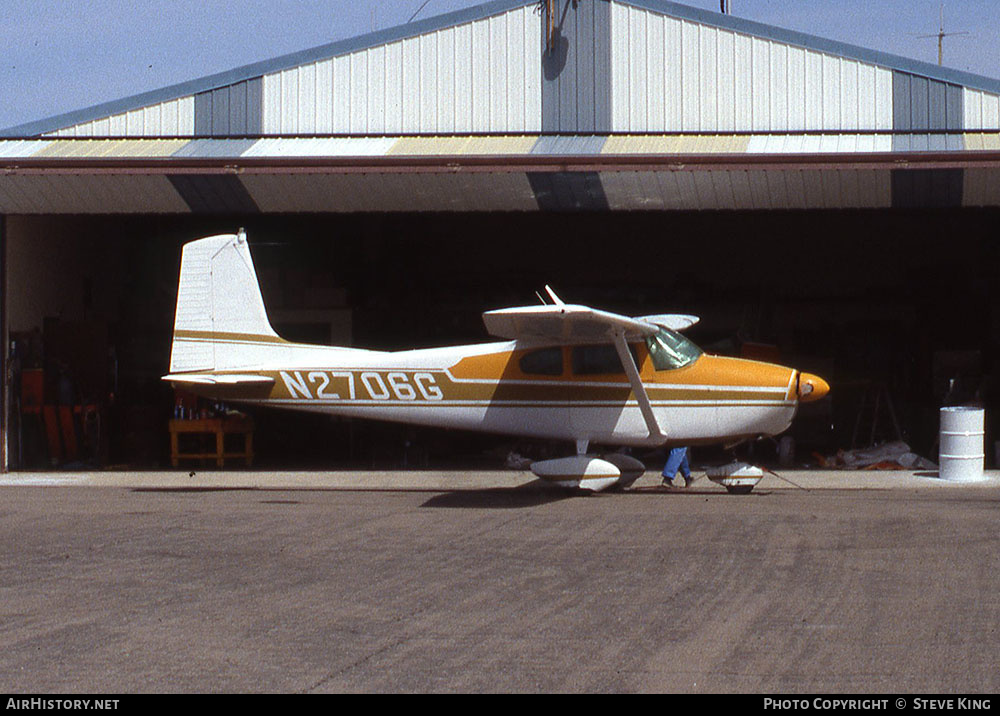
(546, 361)
(599, 360)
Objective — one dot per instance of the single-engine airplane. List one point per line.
(564, 371)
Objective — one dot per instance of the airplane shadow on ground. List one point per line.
(533, 494)
(540, 493)
(693, 492)
(501, 498)
(524, 496)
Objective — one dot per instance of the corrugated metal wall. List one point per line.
(919, 103)
(174, 118)
(479, 76)
(234, 110)
(675, 75)
(614, 67)
(576, 69)
(982, 109)
(482, 76)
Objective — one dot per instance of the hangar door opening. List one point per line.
(897, 309)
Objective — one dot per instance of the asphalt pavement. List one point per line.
(817, 582)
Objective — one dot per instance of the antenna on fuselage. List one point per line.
(552, 294)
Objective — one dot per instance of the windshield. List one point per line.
(669, 349)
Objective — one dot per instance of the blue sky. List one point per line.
(63, 55)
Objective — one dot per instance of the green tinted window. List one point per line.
(669, 349)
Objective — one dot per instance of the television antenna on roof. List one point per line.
(418, 11)
(940, 35)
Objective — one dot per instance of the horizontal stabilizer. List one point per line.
(223, 386)
(183, 379)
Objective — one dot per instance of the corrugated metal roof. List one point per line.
(676, 144)
(928, 143)
(982, 140)
(209, 148)
(819, 143)
(100, 148)
(637, 145)
(477, 144)
(569, 145)
(21, 148)
(322, 147)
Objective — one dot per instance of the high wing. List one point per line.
(569, 323)
(564, 323)
(574, 324)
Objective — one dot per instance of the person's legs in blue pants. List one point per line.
(677, 460)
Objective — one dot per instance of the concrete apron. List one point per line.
(456, 480)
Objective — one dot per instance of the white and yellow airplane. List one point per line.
(564, 372)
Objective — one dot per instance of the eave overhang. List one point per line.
(488, 164)
(470, 174)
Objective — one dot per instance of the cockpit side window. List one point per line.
(669, 350)
(544, 361)
(601, 359)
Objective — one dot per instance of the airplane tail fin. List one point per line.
(220, 310)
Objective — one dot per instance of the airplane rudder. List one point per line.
(238, 306)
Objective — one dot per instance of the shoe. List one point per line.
(688, 481)
(667, 482)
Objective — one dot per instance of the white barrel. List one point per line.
(962, 444)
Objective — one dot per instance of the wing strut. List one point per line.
(656, 436)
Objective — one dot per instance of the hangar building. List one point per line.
(830, 206)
